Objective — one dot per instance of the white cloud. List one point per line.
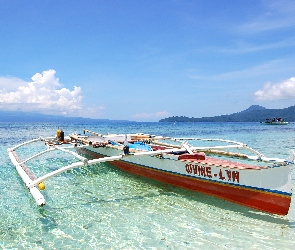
(11, 83)
(277, 91)
(44, 94)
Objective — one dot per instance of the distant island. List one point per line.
(254, 113)
(19, 116)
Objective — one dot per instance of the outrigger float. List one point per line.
(221, 170)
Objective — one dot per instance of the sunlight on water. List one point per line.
(101, 207)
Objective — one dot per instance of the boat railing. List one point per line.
(236, 145)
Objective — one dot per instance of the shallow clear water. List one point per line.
(101, 207)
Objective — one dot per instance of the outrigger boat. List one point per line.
(275, 121)
(252, 180)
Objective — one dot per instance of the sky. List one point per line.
(144, 60)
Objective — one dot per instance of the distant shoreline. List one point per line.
(254, 113)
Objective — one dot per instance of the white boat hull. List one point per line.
(265, 189)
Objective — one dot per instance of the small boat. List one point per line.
(275, 121)
(215, 167)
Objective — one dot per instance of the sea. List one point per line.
(102, 207)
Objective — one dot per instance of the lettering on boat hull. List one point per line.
(203, 171)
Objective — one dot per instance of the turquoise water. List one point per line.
(101, 207)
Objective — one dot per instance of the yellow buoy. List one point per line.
(41, 186)
(58, 133)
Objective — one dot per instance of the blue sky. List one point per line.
(145, 60)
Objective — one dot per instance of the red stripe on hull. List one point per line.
(263, 201)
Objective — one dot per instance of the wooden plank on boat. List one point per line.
(91, 132)
(192, 157)
(230, 164)
(77, 138)
(137, 137)
(219, 152)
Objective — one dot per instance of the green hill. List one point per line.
(254, 113)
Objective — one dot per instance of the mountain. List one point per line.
(254, 108)
(254, 113)
(19, 116)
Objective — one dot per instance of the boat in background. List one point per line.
(275, 121)
(215, 167)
